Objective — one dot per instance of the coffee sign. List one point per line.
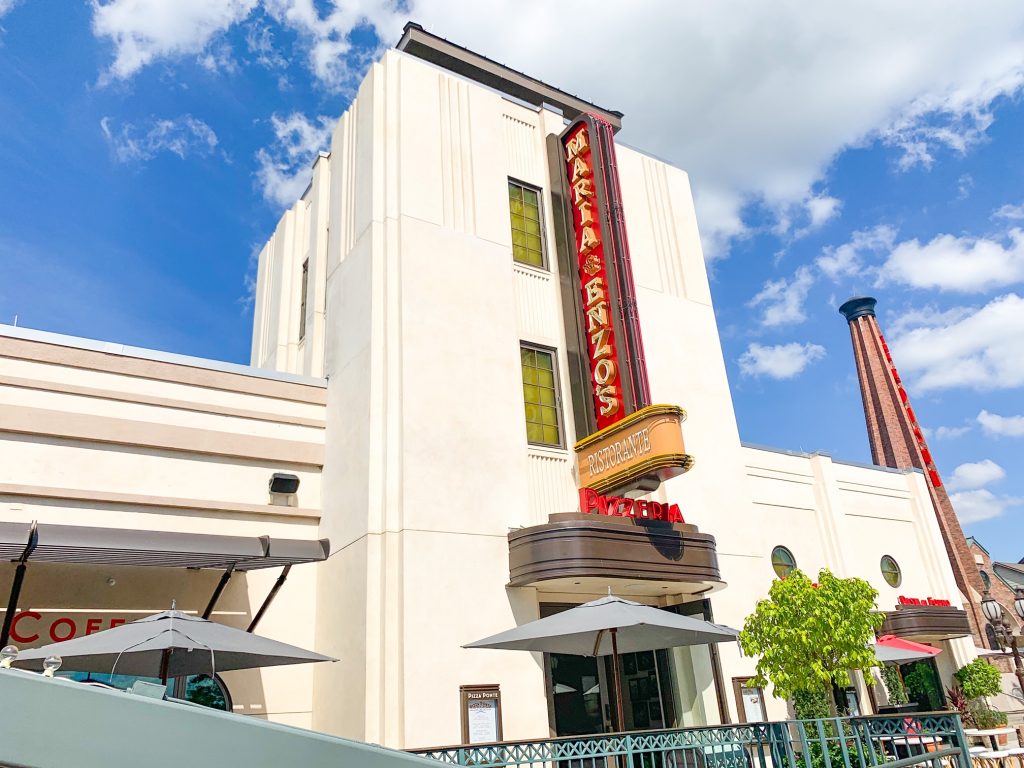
(640, 451)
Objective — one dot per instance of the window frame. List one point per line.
(559, 412)
(545, 265)
(303, 298)
(896, 565)
(792, 558)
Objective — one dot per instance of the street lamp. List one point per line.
(994, 613)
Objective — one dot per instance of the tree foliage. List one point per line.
(808, 635)
(894, 685)
(979, 678)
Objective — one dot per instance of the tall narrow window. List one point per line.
(540, 395)
(524, 210)
(302, 301)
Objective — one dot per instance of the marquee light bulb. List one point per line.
(51, 664)
(7, 656)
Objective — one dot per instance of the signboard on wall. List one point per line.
(481, 713)
(638, 452)
(607, 297)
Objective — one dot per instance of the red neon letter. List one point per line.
(14, 627)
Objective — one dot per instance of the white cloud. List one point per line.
(973, 475)
(847, 259)
(285, 166)
(1011, 212)
(950, 433)
(982, 504)
(143, 31)
(964, 185)
(781, 361)
(180, 136)
(753, 119)
(980, 349)
(783, 300)
(259, 40)
(1001, 426)
(7, 5)
(963, 264)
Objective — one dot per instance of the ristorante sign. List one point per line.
(640, 451)
(599, 327)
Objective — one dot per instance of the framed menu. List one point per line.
(481, 713)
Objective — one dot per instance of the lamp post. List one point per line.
(994, 613)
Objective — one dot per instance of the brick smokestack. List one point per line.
(897, 441)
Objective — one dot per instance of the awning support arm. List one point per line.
(224, 579)
(270, 598)
(19, 578)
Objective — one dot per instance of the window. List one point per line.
(783, 562)
(302, 301)
(540, 395)
(524, 210)
(891, 572)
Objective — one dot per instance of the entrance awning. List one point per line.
(23, 542)
(898, 650)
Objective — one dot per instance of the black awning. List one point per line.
(49, 543)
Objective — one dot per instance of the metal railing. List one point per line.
(935, 739)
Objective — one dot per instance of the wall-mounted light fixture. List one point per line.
(283, 483)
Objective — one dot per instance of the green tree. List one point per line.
(808, 635)
(979, 678)
(894, 684)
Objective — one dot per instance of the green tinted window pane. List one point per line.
(535, 433)
(526, 256)
(515, 192)
(527, 356)
(551, 436)
(530, 196)
(533, 242)
(529, 375)
(543, 360)
(533, 413)
(530, 394)
(548, 415)
(533, 227)
(546, 378)
(516, 207)
(547, 396)
(531, 212)
(519, 239)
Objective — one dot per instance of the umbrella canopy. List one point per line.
(897, 650)
(586, 630)
(168, 644)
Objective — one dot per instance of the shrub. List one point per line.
(894, 685)
(978, 679)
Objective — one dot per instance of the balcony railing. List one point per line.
(935, 739)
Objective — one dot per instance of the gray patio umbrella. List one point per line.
(168, 644)
(609, 626)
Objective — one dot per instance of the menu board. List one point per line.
(481, 713)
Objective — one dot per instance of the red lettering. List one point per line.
(65, 621)
(92, 625)
(17, 636)
(117, 622)
(674, 515)
(592, 502)
(642, 508)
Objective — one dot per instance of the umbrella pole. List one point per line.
(618, 681)
(165, 658)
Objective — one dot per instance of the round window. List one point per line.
(891, 572)
(783, 562)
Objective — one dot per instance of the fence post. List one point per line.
(819, 725)
(964, 758)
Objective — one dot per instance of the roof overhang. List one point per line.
(454, 58)
(44, 542)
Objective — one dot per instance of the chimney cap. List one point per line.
(858, 306)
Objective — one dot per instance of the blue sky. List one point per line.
(147, 149)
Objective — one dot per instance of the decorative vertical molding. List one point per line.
(667, 251)
(457, 194)
(521, 149)
(551, 487)
(536, 305)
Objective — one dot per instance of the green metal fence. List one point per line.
(933, 739)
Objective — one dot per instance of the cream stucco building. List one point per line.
(400, 303)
